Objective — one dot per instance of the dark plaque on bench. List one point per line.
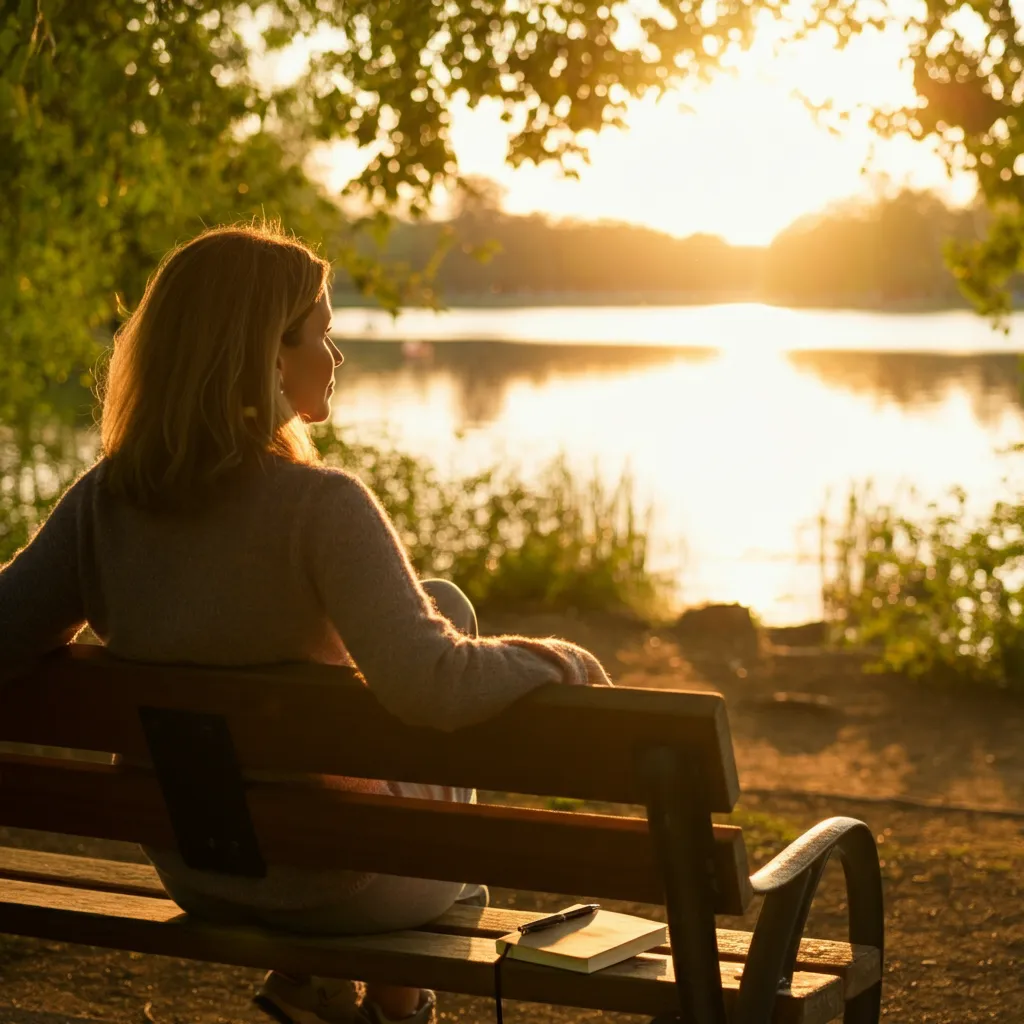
(195, 764)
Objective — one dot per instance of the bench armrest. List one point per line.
(816, 844)
(789, 883)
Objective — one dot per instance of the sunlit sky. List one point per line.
(742, 157)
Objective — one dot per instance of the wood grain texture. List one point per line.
(452, 963)
(857, 967)
(80, 872)
(547, 851)
(560, 740)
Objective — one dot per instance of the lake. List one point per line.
(740, 423)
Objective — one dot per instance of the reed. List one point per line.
(37, 464)
(938, 596)
(556, 543)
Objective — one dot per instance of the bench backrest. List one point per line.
(203, 729)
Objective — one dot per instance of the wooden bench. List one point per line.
(201, 732)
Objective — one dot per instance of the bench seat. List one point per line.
(227, 766)
(122, 905)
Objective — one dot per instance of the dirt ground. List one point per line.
(814, 737)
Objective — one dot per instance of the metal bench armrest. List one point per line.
(789, 883)
(852, 837)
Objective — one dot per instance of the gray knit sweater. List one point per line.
(288, 563)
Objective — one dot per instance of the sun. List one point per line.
(742, 158)
(743, 166)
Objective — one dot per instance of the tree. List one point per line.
(127, 124)
(887, 251)
(968, 68)
(121, 131)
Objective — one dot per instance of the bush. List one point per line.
(940, 598)
(37, 464)
(559, 544)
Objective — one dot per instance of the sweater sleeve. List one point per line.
(41, 606)
(420, 667)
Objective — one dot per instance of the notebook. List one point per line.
(586, 944)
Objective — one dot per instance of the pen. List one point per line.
(565, 915)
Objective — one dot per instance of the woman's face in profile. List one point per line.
(307, 368)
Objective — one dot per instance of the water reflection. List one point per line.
(736, 447)
(476, 377)
(913, 380)
(480, 373)
(737, 450)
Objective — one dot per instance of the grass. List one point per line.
(763, 834)
(557, 543)
(939, 597)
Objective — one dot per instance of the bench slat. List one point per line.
(558, 741)
(454, 963)
(857, 967)
(126, 877)
(548, 851)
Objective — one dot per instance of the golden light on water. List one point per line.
(749, 328)
(738, 447)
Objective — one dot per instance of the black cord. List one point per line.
(497, 984)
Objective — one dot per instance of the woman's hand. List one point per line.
(596, 675)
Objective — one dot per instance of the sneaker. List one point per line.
(371, 1013)
(308, 1000)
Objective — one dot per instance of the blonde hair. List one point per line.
(192, 390)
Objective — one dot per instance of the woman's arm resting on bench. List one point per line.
(421, 669)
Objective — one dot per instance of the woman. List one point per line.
(209, 533)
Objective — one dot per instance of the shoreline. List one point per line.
(597, 300)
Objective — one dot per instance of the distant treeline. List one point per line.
(886, 253)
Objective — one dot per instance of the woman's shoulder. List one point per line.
(273, 482)
(314, 476)
(86, 485)
(329, 504)
(317, 484)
